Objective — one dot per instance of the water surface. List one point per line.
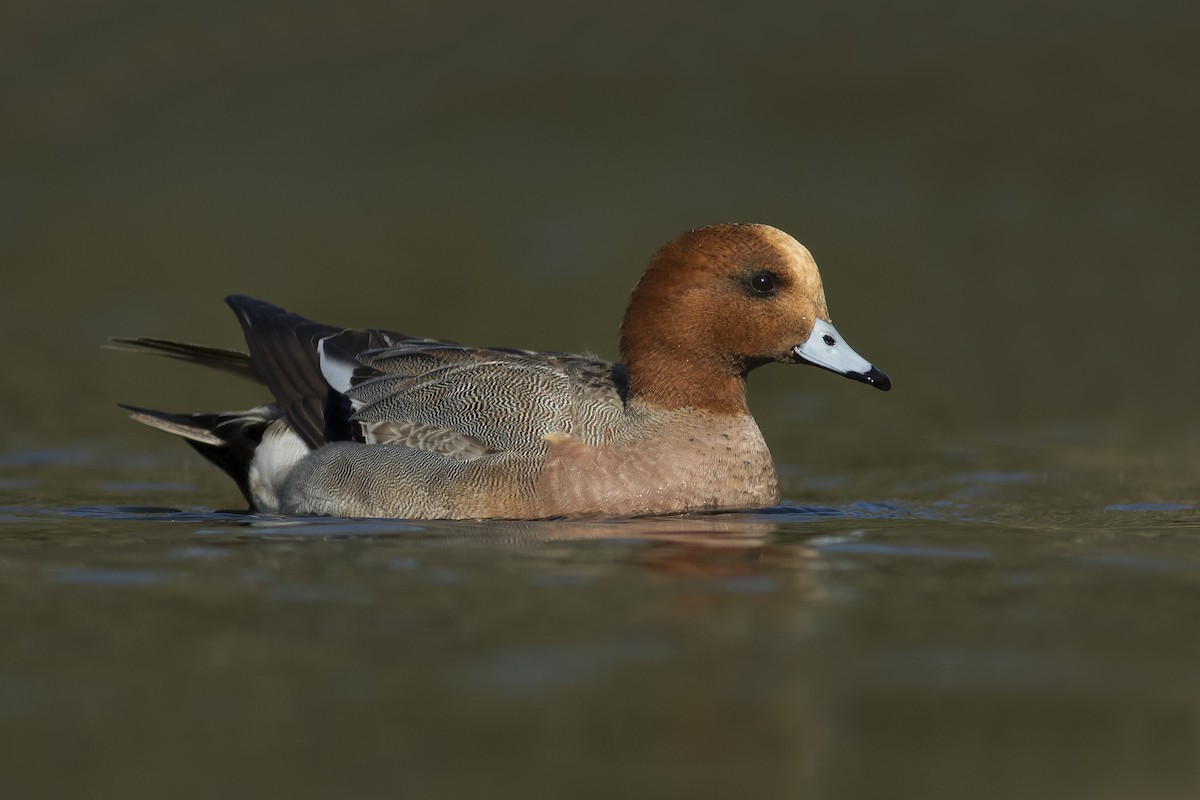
(1033, 624)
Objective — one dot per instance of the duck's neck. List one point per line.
(673, 356)
(665, 374)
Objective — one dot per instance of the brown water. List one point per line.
(982, 584)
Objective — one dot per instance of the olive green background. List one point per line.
(1002, 198)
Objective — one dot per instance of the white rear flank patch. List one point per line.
(281, 449)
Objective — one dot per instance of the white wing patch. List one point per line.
(338, 372)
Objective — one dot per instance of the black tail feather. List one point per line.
(233, 362)
(226, 439)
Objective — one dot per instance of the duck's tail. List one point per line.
(258, 448)
(228, 439)
(233, 362)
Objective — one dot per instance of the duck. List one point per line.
(367, 422)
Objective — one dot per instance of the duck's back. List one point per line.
(468, 402)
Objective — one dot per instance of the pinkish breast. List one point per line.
(670, 462)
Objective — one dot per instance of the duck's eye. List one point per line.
(763, 283)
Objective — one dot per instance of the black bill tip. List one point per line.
(875, 377)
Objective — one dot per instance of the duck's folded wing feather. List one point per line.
(467, 402)
(283, 347)
(284, 353)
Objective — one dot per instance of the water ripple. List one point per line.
(123, 578)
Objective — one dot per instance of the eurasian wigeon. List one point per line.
(371, 423)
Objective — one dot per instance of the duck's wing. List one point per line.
(284, 352)
(382, 387)
(283, 349)
(467, 402)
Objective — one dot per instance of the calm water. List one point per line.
(1034, 625)
(983, 584)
